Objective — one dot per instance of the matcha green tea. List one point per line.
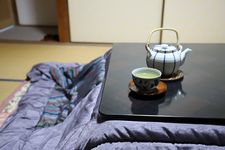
(145, 74)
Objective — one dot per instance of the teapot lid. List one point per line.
(164, 48)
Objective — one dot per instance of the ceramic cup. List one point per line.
(146, 79)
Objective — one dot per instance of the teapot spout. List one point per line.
(184, 54)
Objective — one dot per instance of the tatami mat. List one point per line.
(16, 59)
(7, 88)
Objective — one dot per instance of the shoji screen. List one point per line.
(199, 21)
(113, 20)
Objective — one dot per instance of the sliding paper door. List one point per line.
(198, 21)
(113, 20)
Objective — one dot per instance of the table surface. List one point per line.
(198, 98)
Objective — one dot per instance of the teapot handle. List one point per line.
(147, 46)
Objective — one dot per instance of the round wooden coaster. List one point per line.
(160, 89)
(176, 76)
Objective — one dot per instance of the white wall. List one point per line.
(37, 12)
(198, 21)
(113, 20)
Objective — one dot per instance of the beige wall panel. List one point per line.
(113, 20)
(37, 12)
(198, 21)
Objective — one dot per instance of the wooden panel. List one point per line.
(6, 14)
(14, 11)
(113, 20)
(63, 21)
(200, 21)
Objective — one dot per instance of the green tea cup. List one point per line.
(146, 79)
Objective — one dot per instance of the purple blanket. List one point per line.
(60, 111)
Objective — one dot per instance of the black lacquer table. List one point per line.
(198, 98)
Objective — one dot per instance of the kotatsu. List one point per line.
(60, 111)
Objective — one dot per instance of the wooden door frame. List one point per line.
(63, 20)
(15, 14)
(7, 19)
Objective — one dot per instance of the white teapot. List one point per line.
(166, 58)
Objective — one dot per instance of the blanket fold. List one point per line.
(60, 112)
